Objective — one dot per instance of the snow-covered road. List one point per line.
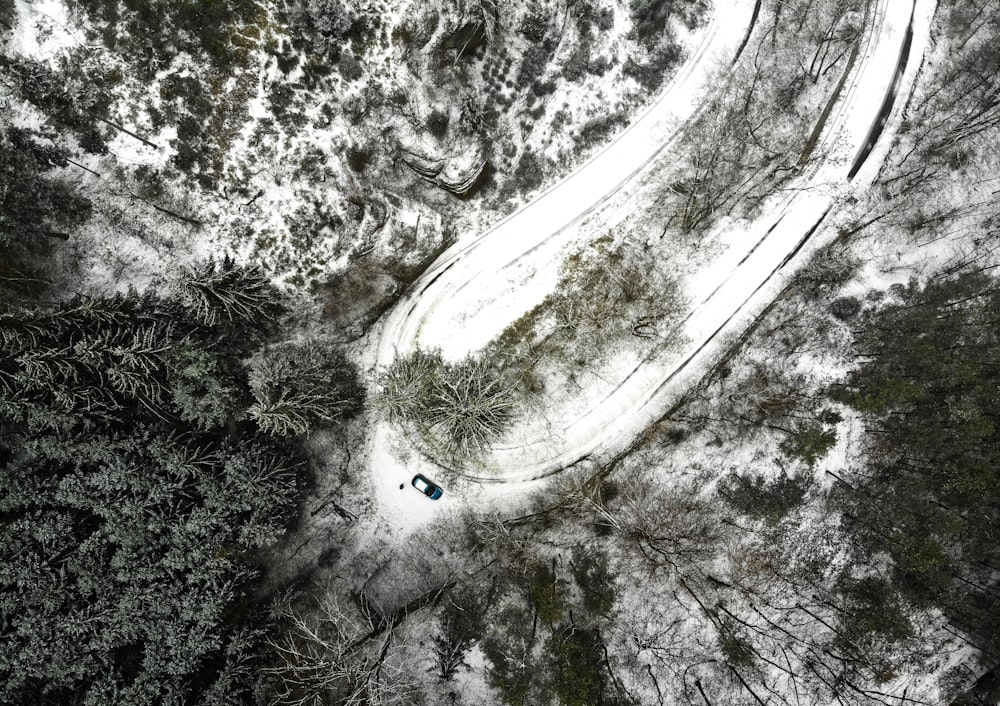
(476, 286)
(484, 283)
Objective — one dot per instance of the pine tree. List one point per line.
(127, 530)
(299, 387)
(217, 293)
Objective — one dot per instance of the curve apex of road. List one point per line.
(477, 285)
(451, 288)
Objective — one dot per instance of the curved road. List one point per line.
(477, 288)
(483, 274)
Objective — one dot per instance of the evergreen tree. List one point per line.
(299, 387)
(229, 295)
(930, 497)
(134, 492)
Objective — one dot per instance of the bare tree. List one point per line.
(338, 653)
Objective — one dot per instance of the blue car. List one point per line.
(426, 487)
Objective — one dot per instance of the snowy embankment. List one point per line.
(479, 287)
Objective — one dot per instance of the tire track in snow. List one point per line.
(675, 107)
(888, 102)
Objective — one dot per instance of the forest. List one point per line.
(208, 209)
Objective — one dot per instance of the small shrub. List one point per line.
(8, 14)
(560, 120)
(287, 62)
(734, 647)
(577, 668)
(650, 75)
(830, 416)
(350, 67)
(466, 39)
(599, 66)
(875, 610)
(828, 269)
(358, 157)
(401, 34)
(766, 500)
(546, 593)
(845, 308)
(461, 624)
(323, 25)
(534, 26)
(605, 19)
(577, 65)
(536, 59)
(543, 88)
(650, 18)
(282, 99)
(507, 648)
(597, 130)
(590, 571)
(528, 174)
(605, 294)
(437, 124)
(809, 443)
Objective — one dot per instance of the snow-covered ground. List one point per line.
(480, 286)
(42, 30)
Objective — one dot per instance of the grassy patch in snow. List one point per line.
(610, 295)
